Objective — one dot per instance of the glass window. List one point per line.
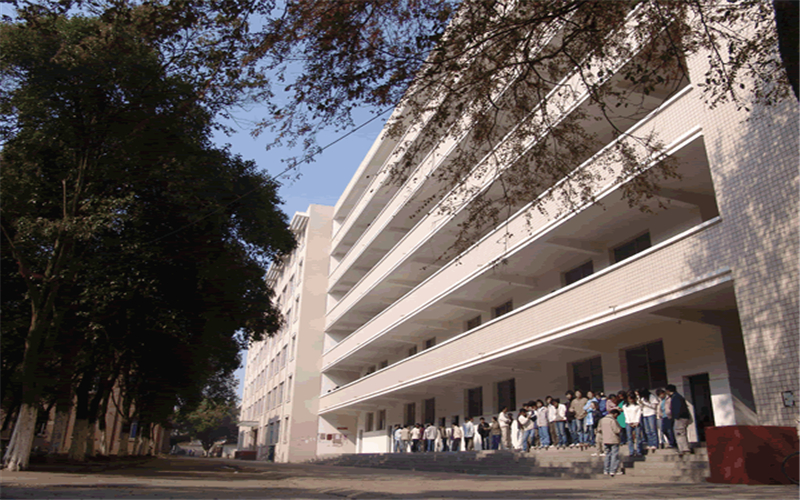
(578, 273)
(410, 413)
(587, 375)
(384, 364)
(503, 309)
(289, 389)
(412, 351)
(430, 411)
(430, 343)
(370, 422)
(647, 367)
(632, 247)
(475, 402)
(381, 420)
(506, 395)
(474, 322)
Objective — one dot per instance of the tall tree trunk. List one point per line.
(18, 453)
(124, 436)
(80, 432)
(59, 430)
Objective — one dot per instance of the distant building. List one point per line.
(282, 375)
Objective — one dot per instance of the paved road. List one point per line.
(185, 477)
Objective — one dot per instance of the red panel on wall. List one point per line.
(749, 454)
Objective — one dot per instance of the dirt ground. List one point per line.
(203, 478)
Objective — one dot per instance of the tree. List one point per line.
(214, 418)
(107, 167)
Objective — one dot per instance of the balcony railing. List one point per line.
(688, 262)
(671, 120)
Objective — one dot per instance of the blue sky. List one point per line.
(320, 182)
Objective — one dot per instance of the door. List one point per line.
(700, 390)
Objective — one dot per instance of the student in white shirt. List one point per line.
(559, 416)
(469, 434)
(543, 422)
(505, 428)
(633, 414)
(649, 403)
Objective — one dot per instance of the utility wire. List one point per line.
(294, 165)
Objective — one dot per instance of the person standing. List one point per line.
(469, 434)
(649, 403)
(560, 418)
(483, 432)
(505, 428)
(681, 419)
(578, 407)
(609, 431)
(633, 414)
(416, 438)
(405, 437)
(494, 433)
(458, 434)
(398, 439)
(665, 414)
(447, 439)
(430, 438)
(543, 423)
(525, 420)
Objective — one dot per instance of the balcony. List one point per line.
(366, 308)
(671, 269)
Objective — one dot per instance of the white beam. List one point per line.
(522, 281)
(470, 306)
(575, 246)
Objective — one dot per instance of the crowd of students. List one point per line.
(594, 421)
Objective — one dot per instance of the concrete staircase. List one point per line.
(664, 465)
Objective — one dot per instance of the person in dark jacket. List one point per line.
(681, 418)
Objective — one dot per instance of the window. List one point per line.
(503, 309)
(646, 366)
(455, 419)
(291, 286)
(381, 420)
(289, 389)
(578, 273)
(588, 375)
(383, 364)
(283, 356)
(370, 369)
(296, 309)
(269, 400)
(430, 343)
(410, 414)
(288, 319)
(475, 402)
(277, 430)
(134, 429)
(632, 247)
(280, 393)
(474, 322)
(286, 431)
(442, 421)
(506, 395)
(271, 434)
(412, 351)
(294, 346)
(430, 411)
(369, 427)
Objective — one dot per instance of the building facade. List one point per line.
(281, 384)
(702, 295)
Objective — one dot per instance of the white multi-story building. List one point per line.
(281, 384)
(703, 295)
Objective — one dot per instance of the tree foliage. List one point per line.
(214, 418)
(139, 248)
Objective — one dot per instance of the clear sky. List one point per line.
(321, 182)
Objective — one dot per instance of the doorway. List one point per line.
(700, 390)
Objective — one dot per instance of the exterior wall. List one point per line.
(754, 158)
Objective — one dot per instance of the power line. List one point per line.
(294, 165)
